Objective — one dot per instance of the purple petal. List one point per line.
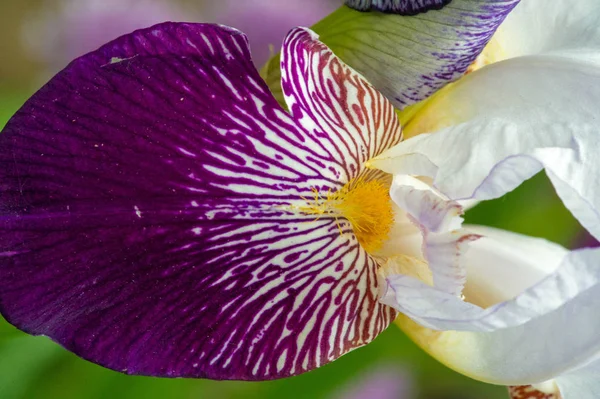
(402, 7)
(146, 196)
(408, 58)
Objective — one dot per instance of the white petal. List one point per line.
(547, 330)
(404, 239)
(519, 117)
(440, 223)
(583, 383)
(495, 128)
(430, 209)
(543, 26)
(501, 264)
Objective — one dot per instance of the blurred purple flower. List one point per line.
(57, 34)
(384, 382)
(266, 22)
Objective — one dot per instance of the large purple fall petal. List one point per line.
(146, 200)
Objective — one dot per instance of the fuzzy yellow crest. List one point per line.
(366, 204)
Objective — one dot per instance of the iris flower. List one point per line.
(163, 214)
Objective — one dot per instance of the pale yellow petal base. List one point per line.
(457, 350)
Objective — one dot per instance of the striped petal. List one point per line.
(529, 392)
(147, 199)
(408, 58)
(351, 120)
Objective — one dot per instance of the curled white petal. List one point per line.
(437, 309)
(429, 208)
(440, 223)
(549, 329)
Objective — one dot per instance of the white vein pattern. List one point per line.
(334, 103)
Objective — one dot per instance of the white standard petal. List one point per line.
(516, 117)
(520, 120)
(556, 26)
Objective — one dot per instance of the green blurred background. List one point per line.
(35, 42)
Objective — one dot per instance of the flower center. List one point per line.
(366, 204)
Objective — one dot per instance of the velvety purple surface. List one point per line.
(143, 196)
(402, 7)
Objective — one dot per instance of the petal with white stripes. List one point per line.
(352, 121)
(148, 200)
